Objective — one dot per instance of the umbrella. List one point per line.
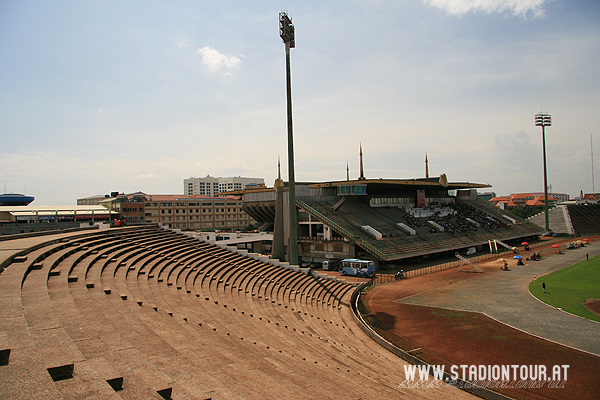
(513, 248)
(524, 244)
(518, 257)
(555, 246)
(586, 240)
(501, 259)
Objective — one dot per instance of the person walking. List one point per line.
(544, 286)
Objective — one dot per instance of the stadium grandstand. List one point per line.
(390, 221)
(148, 313)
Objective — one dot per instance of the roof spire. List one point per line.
(347, 171)
(278, 181)
(426, 166)
(362, 171)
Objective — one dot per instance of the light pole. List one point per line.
(544, 120)
(286, 32)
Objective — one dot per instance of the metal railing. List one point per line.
(368, 247)
(323, 218)
(412, 273)
(373, 250)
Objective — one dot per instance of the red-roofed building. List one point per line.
(526, 200)
(560, 197)
(538, 201)
(591, 198)
(500, 202)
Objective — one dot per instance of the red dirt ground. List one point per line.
(455, 338)
(593, 305)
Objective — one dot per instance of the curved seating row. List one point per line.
(148, 313)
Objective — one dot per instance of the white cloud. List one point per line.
(183, 43)
(215, 61)
(149, 175)
(517, 7)
(100, 111)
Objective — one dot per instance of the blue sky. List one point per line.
(101, 96)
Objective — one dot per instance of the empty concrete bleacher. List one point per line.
(519, 227)
(585, 219)
(153, 314)
(559, 220)
(213, 280)
(467, 223)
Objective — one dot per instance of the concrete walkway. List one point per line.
(10, 247)
(504, 296)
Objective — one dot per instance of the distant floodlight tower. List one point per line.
(544, 120)
(286, 31)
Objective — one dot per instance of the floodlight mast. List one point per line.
(286, 32)
(286, 29)
(544, 120)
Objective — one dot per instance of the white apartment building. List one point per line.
(210, 186)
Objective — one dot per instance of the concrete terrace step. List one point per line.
(183, 317)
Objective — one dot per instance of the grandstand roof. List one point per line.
(436, 182)
(425, 182)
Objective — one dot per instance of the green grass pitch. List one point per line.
(569, 287)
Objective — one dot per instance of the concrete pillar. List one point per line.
(326, 232)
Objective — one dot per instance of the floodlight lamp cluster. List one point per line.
(286, 29)
(543, 119)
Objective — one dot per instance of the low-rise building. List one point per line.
(560, 197)
(196, 212)
(527, 200)
(95, 200)
(591, 198)
(26, 219)
(486, 196)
